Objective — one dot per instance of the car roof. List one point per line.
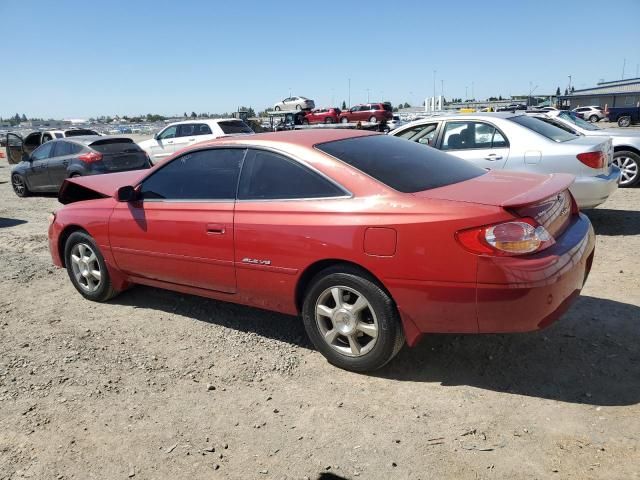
(302, 138)
(89, 139)
(471, 116)
(205, 120)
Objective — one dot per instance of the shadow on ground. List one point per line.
(590, 356)
(10, 222)
(614, 222)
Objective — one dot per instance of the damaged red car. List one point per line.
(373, 240)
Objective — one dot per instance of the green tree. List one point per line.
(573, 89)
(406, 105)
(558, 92)
(566, 91)
(23, 118)
(344, 105)
(194, 115)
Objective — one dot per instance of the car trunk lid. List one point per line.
(97, 186)
(120, 154)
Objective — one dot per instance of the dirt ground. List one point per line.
(159, 385)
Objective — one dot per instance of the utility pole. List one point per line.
(442, 88)
(466, 93)
(367, 95)
(434, 87)
(472, 94)
(624, 64)
(569, 84)
(349, 93)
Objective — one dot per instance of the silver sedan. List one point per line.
(626, 143)
(524, 143)
(295, 103)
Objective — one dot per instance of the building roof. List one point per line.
(627, 86)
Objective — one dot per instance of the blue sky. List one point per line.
(80, 59)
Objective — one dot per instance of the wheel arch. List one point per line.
(626, 148)
(64, 235)
(312, 270)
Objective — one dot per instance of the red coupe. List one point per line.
(372, 239)
(322, 115)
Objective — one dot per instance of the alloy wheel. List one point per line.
(628, 169)
(18, 185)
(86, 268)
(346, 321)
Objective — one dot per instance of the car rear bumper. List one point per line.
(590, 192)
(512, 294)
(518, 294)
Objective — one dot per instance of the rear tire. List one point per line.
(373, 119)
(594, 119)
(87, 269)
(328, 120)
(277, 109)
(19, 185)
(624, 121)
(629, 165)
(305, 122)
(351, 320)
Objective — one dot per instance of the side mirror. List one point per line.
(26, 157)
(156, 135)
(127, 194)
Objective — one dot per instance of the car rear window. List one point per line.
(230, 127)
(115, 145)
(79, 132)
(546, 130)
(405, 166)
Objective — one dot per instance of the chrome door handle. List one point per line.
(169, 141)
(493, 156)
(192, 139)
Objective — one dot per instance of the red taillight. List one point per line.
(516, 237)
(593, 159)
(90, 157)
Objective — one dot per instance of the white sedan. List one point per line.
(524, 143)
(295, 103)
(179, 135)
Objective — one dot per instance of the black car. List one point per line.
(51, 163)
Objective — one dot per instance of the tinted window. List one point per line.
(46, 137)
(203, 129)
(230, 127)
(267, 175)
(186, 130)
(43, 151)
(201, 175)
(576, 120)
(549, 131)
(404, 166)
(62, 148)
(80, 131)
(59, 135)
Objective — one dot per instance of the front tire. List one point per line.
(328, 120)
(344, 120)
(277, 109)
(19, 185)
(373, 119)
(351, 320)
(594, 119)
(629, 165)
(624, 121)
(87, 269)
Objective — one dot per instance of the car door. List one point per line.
(59, 160)
(180, 230)
(203, 133)
(163, 146)
(32, 141)
(476, 141)
(15, 148)
(185, 136)
(272, 234)
(37, 174)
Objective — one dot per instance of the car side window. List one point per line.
(169, 132)
(46, 137)
(472, 135)
(201, 175)
(43, 151)
(424, 134)
(62, 148)
(203, 129)
(270, 176)
(186, 130)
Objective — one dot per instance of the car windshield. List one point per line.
(576, 120)
(231, 127)
(546, 130)
(79, 132)
(404, 166)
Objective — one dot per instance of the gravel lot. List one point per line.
(156, 384)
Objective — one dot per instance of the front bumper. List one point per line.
(590, 192)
